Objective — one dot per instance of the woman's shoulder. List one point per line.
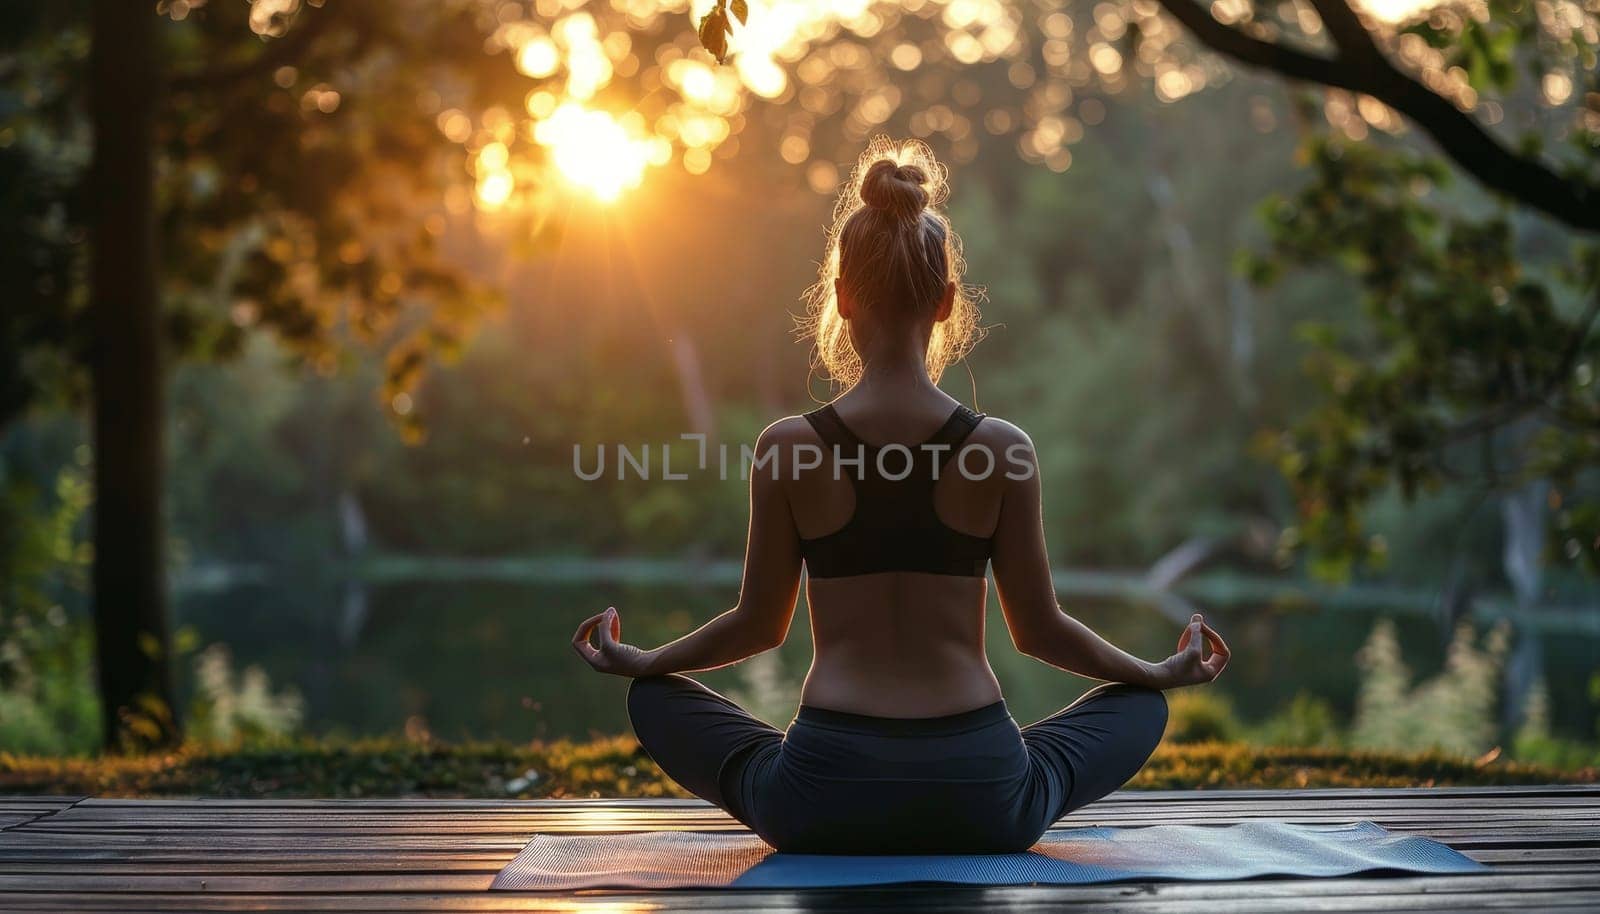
(790, 430)
(999, 434)
(778, 445)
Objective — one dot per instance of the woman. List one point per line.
(895, 498)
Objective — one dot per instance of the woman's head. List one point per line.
(893, 268)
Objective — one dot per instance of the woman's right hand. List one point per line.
(612, 656)
(1189, 666)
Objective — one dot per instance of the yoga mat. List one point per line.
(1068, 856)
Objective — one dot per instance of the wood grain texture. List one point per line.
(92, 855)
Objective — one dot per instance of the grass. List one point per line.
(616, 767)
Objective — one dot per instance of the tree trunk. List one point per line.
(134, 648)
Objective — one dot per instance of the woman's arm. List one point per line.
(1040, 629)
(767, 595)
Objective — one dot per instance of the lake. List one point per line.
(491, 659)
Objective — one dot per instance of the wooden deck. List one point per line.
(71, 854)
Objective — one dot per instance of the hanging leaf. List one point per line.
(741, 9)
(714, 32)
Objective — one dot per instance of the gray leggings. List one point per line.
(842, 783)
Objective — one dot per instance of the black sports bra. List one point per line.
(895, 526)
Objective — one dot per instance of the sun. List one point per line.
(596, 152)
(1396, 11)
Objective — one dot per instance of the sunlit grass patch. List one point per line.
(614, 766)
(1239, 765)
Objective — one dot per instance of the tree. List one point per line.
(1478, 366)
(238, 190)
(131, 632)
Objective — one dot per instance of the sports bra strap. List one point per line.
(955, 430)
(831, 429)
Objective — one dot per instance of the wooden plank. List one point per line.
(397, 869)
(1397, 886)
(414, 855)
(16, 812)
(941, 899)
(253, 883)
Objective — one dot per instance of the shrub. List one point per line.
(1200, 716)
(1305, 721)
(1454, 711)
(244, 709)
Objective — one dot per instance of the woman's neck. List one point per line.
(902, 368)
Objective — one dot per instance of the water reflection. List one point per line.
(491, 659)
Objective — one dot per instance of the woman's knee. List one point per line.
(648, 697)
(1152, 703)
(1148, 706)
(1145, 706)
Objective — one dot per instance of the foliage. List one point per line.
(48, 702)
(47, 699)
(374, 768)
(1534, 743)
(54, 710)
(1307, 721)
(298, 184)
(229, 709)
(717, 24)
(1222, 765)
(1475, 363)
(615, 766)
(1199, 715)
(1454, 711)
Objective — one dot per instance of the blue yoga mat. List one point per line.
(1069, 856)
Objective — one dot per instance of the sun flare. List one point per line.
(599, 153)
(1396, 11)
(604, 106)
(586, 137)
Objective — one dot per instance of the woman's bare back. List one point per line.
(899, 643)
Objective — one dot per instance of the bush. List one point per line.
(1305, 721)
(1453, 711)
(232, 709)
(1534, 743)
(1200, 716)
(47, 698)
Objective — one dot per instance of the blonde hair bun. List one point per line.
(895, 188)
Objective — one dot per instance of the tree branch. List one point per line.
(1361, 67)
(1349, 35)
(1282, 59)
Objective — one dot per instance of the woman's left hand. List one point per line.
(612, 656)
